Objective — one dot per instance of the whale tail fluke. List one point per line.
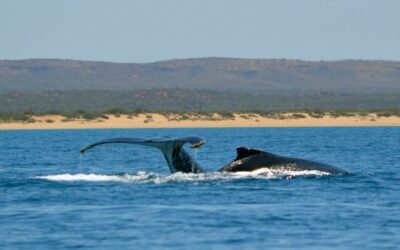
(177, 158)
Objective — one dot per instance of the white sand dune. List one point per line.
(239, 120)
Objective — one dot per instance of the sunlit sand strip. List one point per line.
(153, 120)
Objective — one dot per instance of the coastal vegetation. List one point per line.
(29, 117)
(195, 89)
(190, 100)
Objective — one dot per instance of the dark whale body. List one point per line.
(177, 158)
(247, 159)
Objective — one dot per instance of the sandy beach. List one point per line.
(152, 120)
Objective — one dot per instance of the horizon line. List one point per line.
(203, 58)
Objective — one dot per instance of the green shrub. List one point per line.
(227, 115)
(89, 116)
(385, 114)
(297, 116)
(116, 111)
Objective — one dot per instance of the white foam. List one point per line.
(148, 177)
(79, 177)
(276, 173)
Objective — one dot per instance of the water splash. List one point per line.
(81, 160)
(195, 154)
(194, 159)
(142, 177)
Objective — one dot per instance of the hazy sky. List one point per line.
(150, 30)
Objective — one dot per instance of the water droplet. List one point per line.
(81, 161)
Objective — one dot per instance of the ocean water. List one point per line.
(123, 197)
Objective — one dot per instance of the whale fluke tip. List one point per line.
(198, 144)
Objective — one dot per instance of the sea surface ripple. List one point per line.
(123, 196)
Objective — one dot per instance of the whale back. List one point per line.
(249, 159)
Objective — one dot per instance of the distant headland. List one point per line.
(199, 87)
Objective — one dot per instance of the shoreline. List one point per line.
(242, 120)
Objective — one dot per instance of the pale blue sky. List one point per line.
(151, 30)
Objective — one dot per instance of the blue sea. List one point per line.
(123, 196)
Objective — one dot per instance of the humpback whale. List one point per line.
(247, 159)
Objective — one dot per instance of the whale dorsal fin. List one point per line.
(243, 152)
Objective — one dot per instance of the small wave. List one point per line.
(149, 177)
(95, 177)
